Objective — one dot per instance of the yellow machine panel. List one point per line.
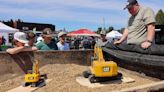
(29, 78)
(104, 69)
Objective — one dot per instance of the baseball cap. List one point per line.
(130, 3)
(61, 33)
(47, 32)
(21, 37)
(102, 33)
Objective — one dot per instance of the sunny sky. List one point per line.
(72, 14)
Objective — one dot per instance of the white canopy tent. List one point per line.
(113, 35)
(5, 31)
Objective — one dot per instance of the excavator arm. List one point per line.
(98, 54)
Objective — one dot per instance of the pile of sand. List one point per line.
(64, 80)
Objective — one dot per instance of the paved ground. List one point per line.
(64, 80)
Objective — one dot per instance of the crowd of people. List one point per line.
(30, 42)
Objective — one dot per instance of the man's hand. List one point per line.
(117, 42)
(150, 36)
(146, 45)
(124, 36)
(34, 48)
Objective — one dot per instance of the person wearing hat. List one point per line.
(62, 45)
(20, 39)
(31, 38)
(103, 36)
(141, 25)
(140, 32)
(47, 43)
(102, 40)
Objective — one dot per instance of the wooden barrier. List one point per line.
(15, 65)
(18, 64)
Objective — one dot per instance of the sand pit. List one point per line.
(64, 80)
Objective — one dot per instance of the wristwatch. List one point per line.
(149, 41)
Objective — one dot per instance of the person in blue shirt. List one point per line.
(62, 45)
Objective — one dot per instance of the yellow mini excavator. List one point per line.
(34, 78)
(101, 70)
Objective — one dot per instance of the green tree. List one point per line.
(160, 18)
(99, 30)
(110, 29)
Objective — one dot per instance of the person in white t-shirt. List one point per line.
(62, 45)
